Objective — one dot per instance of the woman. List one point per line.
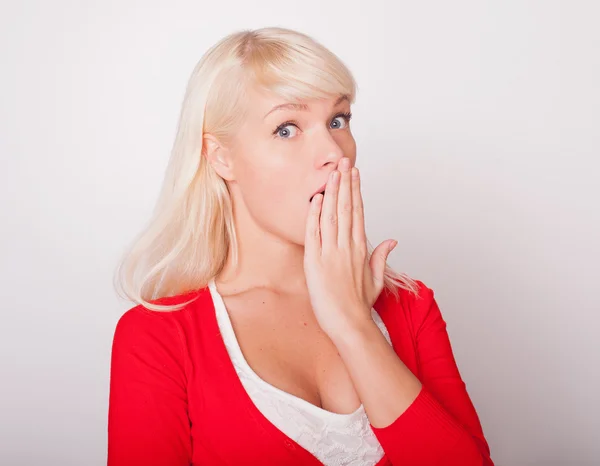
(265, 331)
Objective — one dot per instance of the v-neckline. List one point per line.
(267, 426)
(237, 350)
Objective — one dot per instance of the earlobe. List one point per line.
(218, 157)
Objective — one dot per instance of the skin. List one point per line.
(271, 179)
(301, 296)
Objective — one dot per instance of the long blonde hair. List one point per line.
(187, 240)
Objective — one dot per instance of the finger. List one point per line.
(378, 262)
(344, 205)
(329, 227)
(312, 240)
(358, 215)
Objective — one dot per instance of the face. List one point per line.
(281, 157)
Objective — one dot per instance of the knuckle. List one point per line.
(346, 208)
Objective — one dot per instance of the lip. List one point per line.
(320, 190)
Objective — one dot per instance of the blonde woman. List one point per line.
(266, 330)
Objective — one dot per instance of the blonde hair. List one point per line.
(187, 240)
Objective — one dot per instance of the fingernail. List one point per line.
(393, 245)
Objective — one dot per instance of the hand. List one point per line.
(343, 283)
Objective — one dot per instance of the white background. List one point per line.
(478, 131)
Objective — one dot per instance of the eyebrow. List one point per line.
(293, 106)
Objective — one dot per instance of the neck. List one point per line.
(265, 260)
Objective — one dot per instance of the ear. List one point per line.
(218, 156)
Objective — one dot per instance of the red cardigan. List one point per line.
(175, 398)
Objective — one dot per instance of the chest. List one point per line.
(282, 342)
(227, 428)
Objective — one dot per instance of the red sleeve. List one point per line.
(148, 422)
(441, 426)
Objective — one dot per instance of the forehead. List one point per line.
(265, 105)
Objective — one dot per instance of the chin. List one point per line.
(298, 240)
(292, 232)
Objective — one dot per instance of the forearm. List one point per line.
(412, 424)
(384, 384)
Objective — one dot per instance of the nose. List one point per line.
(328, 152)
(333, 158)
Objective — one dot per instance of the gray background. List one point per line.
(478, 134)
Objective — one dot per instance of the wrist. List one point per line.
(352, 333)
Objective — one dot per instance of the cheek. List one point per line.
(348, 146)
(278, 201)
(265, 184)
(267, 174)
(269, 188)
(274, 191)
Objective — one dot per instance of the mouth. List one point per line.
(321, 190)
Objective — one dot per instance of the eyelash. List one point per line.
(347, 116)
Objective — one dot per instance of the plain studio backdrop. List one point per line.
(478, 132)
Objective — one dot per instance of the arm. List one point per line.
(147, 420)
(426, 422)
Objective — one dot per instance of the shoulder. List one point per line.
(140, 326)
(149, 348)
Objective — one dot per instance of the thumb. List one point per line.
(378, 260)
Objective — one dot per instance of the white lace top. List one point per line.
(334, 439)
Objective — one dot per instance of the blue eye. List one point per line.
(283, 132)
(284, 128)
(345, 118)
